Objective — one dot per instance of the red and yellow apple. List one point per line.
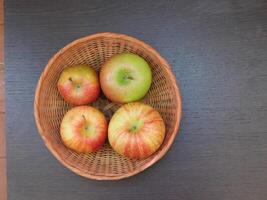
(83, 129)
(125, 78)
(79, 84)
(136, 130)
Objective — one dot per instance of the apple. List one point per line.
(136, 130)
(83, 129)
(79, 84)
(125, 78)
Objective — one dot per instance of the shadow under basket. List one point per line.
(49, 106)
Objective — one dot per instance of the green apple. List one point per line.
(79, 84)
(125, 78)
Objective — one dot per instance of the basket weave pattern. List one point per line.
(49, 108)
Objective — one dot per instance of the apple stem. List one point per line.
(133, 128)
(84, 118)
(70, 79)
(128, 77)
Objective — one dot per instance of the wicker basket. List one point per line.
(49, 107)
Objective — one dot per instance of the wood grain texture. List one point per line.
(2, 137)
(218, 53)
(1, 43)
(2, 87)
(2, 113)
(2, 12)
(3, 184)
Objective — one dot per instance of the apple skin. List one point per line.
(136, 130)
(125, 78)
(79, 85)
(84, 129)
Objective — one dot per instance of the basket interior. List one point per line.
(51, 106)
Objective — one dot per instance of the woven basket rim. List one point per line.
(152, 51)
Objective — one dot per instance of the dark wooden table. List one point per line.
(218, 51)
(3, 192)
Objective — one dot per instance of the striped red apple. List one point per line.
(136, 130)
(79, 84)
(83, 129)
